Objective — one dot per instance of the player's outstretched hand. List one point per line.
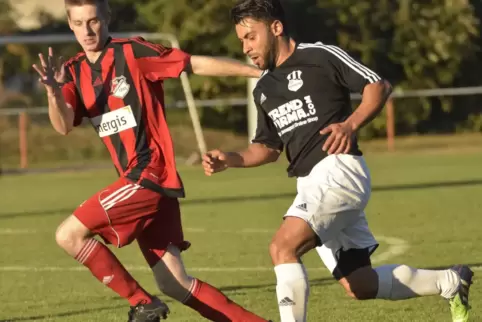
(340, 138)
(214, 161)
(51, 71)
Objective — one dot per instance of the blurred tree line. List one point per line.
(415, 44)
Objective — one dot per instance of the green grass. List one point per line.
(430, 200)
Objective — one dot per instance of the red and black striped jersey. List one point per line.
(122, 95)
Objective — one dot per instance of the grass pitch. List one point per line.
(425, 207)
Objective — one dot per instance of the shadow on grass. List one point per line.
(265, 197)
(227, 289)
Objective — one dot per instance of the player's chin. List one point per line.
(92, 46)
(258, 62)
(261, 65)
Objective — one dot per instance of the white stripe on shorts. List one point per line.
(119, 195)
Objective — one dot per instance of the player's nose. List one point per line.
(246, 48)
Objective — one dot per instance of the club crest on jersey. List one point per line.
(294, 81)
(119, 87)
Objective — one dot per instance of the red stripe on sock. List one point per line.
(212, 304)
(103, 264)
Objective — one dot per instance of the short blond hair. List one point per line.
(102, 4)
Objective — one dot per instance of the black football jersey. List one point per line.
(306, 93)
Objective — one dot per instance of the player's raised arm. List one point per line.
(160, 63)
(53, 75)
(222, 66)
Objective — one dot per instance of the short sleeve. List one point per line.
(159, 63)
(341, 67)
(266, 132)
(71, 97)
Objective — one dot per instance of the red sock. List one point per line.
(106, 268)
(215, 306)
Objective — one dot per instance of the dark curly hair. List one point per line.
(262, 10)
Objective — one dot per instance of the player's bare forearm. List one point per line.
(254, 156)
(373, 100)
(60, 114)
(222, 66)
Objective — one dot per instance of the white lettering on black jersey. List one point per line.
(306, 93)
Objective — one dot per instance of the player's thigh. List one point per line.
(163, 230)
(316, 207)
(119, 212)
(333, 196)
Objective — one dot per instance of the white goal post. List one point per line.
(64, 38)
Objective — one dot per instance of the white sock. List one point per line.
(292, 291)
(399, 282)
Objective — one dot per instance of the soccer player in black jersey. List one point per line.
(303, 103)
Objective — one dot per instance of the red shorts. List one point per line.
(125, 211)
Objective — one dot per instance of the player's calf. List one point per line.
(171, 276)
(291, 241)
(208, 301)
(399, 282)
(77, 241)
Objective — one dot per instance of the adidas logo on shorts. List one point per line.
(302, 207)
(286, 302)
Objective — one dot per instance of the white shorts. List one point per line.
(332, 199)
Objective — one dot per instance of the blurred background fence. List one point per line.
(28, 140)
(429, 50)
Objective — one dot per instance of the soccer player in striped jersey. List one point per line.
(117, 84)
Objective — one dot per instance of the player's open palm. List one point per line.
(339, 139)
(214, 161)
(51, 71)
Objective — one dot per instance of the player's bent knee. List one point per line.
(361, 293)
(361, 284)
(71, 234)
(281, 251)
(294, 238)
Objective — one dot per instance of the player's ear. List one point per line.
(67, 11)
(277, 28)
(70, 23)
